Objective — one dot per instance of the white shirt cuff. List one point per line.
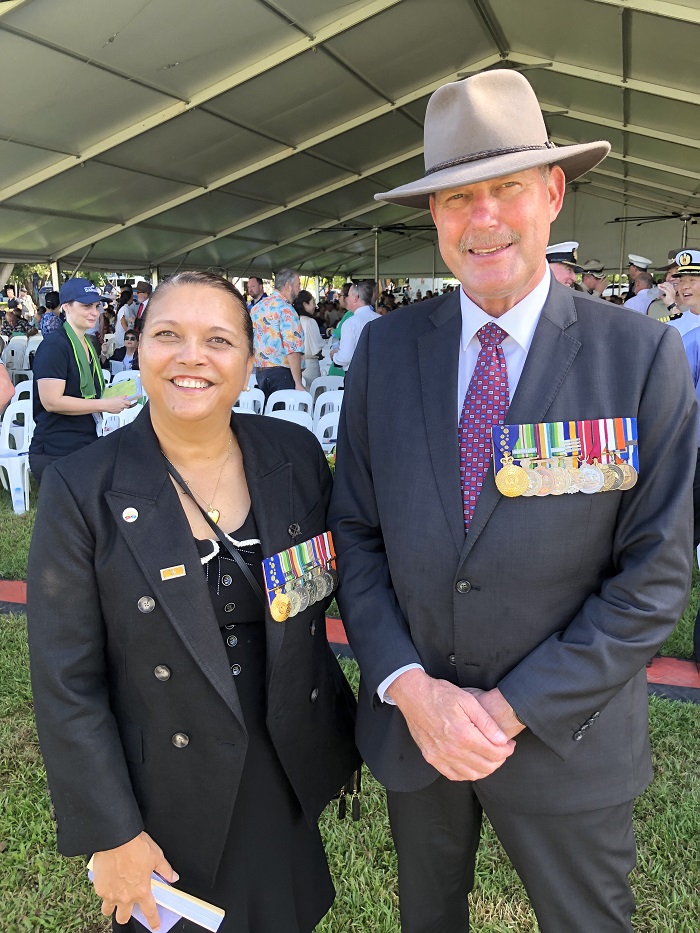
(388, 681)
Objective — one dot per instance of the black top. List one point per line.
(58, 435)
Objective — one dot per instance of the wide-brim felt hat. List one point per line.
(484, 127)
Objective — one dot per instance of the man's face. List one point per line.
(493, 234)
(563, 273)
(353, 301)
(10, 293)
(342, 300)
(688, 292)
(632, 272)
(255, 289)
(142, 296)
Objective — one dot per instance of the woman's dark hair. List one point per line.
(209, 280)
(130, 333)
(303, 298)
(52, 301)
(126, 296)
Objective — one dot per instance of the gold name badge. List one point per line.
(170, 573)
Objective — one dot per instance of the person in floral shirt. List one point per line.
(278, 336)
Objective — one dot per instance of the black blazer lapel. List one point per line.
(160, 538)
(438, 359)
(270, 482)
(548, 361)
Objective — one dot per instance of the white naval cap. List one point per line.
(565, 253)
(641, 262)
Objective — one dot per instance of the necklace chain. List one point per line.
(210, 505)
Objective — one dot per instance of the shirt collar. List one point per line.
(519, 322)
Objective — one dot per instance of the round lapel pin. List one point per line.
(130, 514)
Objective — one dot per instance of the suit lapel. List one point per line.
(438, 359)
(548, 361)
(161, 537)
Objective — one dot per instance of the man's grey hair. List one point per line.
(284, 277)
(364, 291)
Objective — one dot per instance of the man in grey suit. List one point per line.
(503, 639)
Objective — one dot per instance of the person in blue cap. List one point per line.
(69, 382)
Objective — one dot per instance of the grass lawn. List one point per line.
(40, 891)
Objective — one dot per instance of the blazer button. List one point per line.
(232, 641)
(314, 695)
(452, 658)
(577, 736)
(162, 672)
(312, 628)
(595, 715)
(229, 607)
(146, 604)
(236, 669)
(463, 586)
(227, 579)
(180, 740)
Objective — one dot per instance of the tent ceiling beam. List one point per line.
(295, 202)
(31, 145)
(655, 8)
(260, 164)
(492, 26)
(636, 130)
(613, 80)
(632, 160)
(262, 65)
(302, 235)
(644, 182)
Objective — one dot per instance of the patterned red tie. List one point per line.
(485, 404)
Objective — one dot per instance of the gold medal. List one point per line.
(280, 607)
(614, 477)
(511, 480)
(630, 476)
(561, 480)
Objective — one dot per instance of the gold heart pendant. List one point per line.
(214, 515)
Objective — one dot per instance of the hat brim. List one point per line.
(574, 160)
(695, 270)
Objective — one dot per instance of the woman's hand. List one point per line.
(115, 405)
(122, 878)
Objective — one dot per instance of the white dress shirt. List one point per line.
(519, 323)
(641, 301)
(350, 334)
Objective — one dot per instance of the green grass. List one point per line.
(15, 534)
(40, 891)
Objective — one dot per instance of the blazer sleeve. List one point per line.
(87, 773)
(382, 642)
(572, 675)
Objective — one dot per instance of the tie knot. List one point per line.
(491, 335)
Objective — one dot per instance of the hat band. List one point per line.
(485, 154)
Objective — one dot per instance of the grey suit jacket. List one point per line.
(562, 599)
(105, 721)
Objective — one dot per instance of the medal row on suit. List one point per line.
(300, 576)
(560, 457)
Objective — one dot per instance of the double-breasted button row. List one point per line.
(180, 740)
(146, 604)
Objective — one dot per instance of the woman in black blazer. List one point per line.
(183, 729)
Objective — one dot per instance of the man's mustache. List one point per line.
(488, 240)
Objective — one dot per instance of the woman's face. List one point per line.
(310, 306)
(194, 353)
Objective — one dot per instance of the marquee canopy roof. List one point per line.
(243, 134)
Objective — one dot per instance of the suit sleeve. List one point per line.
(376, 628)
(573, 674)
(87, 774)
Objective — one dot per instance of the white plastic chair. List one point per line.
(107, 376)
(253, 382)
(251, 401)
(108, 345)
(291, 400)
(326, 384)
(112, 422)
(14, 462)
(326, 429)
(327, 401)
(23, 390)
(302, 418)
(25, 369)
(13, 355)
